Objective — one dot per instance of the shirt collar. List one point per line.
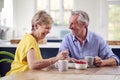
(87, 37)
(73, 38)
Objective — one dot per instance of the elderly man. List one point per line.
(82, 42)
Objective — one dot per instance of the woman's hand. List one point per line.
(62, 55)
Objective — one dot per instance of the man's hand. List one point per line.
(72, 59)
(98, 61)
(107, 62)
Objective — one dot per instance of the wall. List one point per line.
(1, 4)
(23, 10)
(6, 20)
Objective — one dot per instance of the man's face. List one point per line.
(77, 29)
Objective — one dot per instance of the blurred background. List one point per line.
(15, 17)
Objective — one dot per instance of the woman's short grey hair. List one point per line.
(83, 16)
(41, 18)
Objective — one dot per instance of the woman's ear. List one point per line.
(36, 26)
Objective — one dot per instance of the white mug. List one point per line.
(90, 60)
(62, 65)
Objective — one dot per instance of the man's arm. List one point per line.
(107, 62)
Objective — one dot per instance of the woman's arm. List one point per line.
(33, 63)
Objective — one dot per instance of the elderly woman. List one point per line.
(28, 55)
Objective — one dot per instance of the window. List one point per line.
(114, 20)
(6, 15)
(58, 9)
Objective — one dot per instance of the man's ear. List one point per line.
(84, 24)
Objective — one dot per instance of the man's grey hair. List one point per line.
(83, 16)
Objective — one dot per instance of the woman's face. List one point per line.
(42, 31)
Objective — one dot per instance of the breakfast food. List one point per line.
(81, 64)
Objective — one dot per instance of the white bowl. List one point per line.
(80, 66)
(71, 65)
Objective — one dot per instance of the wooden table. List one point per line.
(101, 73)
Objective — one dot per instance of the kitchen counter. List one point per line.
(49, 49)
(47, 45)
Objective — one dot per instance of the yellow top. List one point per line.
(20, 62)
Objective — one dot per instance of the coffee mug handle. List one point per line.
(57, 65)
